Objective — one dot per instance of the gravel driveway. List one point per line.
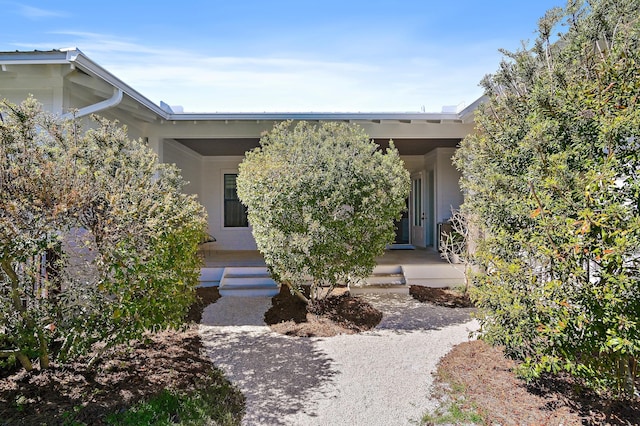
(380, 377)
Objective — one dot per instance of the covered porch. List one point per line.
(208, 149)
(396, 270)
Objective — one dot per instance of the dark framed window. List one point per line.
(235, 214)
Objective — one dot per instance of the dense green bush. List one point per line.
(552, 179)
(321, 201)
(98, 244)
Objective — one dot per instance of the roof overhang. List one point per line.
(208, 147)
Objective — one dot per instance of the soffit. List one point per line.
(238, 146)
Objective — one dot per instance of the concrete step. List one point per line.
(248, 282)
(384, 279)
(379, 289)
(436, 282)
(210, 277)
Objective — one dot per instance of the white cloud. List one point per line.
(35, 13)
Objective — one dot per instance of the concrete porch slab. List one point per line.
(420, 266)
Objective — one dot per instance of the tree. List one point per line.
(321, 201)
(97, 243)
(551, 176)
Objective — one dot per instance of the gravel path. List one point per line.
(381, 377)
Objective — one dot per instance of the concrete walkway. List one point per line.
(381, 377)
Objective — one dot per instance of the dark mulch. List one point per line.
(167, 360)
(204, 297)
(501, 398)
(446, 296)
(339, 313)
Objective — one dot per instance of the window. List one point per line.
(416, 189)
(235, 214)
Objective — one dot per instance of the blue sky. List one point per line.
(281, 55)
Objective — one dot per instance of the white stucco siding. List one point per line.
(413, 163)
(416, 129)
(45, 83)
(213, 171)
(189, 163)
(44, 96)
(448, 194)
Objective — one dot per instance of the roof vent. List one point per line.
(175, 109)
(166, 108)
(453, 109)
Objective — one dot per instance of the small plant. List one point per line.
(20, 402)
(454, 244)
(454, 407)
(456, 412)
(69, 417)
(209, 403)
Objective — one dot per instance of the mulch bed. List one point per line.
(173, 360)
(501, 398)
(337, 314)
(492, 388)
(204, 297)
(451, 298)
(129, 374)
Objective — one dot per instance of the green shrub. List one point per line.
(321, 201)
(97, 242)
(551, 177)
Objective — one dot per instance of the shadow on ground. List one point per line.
(284, 377)
(256, 359)
(403, 314)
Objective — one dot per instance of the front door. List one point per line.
(417, 211)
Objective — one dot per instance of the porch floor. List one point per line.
(420, 266)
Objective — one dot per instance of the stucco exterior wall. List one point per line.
(413, 163)
(213, 170)
(45, 83)
(189, 163)
(447, 183)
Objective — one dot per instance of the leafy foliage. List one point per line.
(552, 180)
(321, 201)
(98, 244)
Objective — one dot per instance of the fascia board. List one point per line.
(468, 112)
(33, 58)
(267, 116)
(86, 64)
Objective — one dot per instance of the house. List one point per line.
(209, 146)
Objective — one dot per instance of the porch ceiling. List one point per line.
(220, 146)
(238, 146)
